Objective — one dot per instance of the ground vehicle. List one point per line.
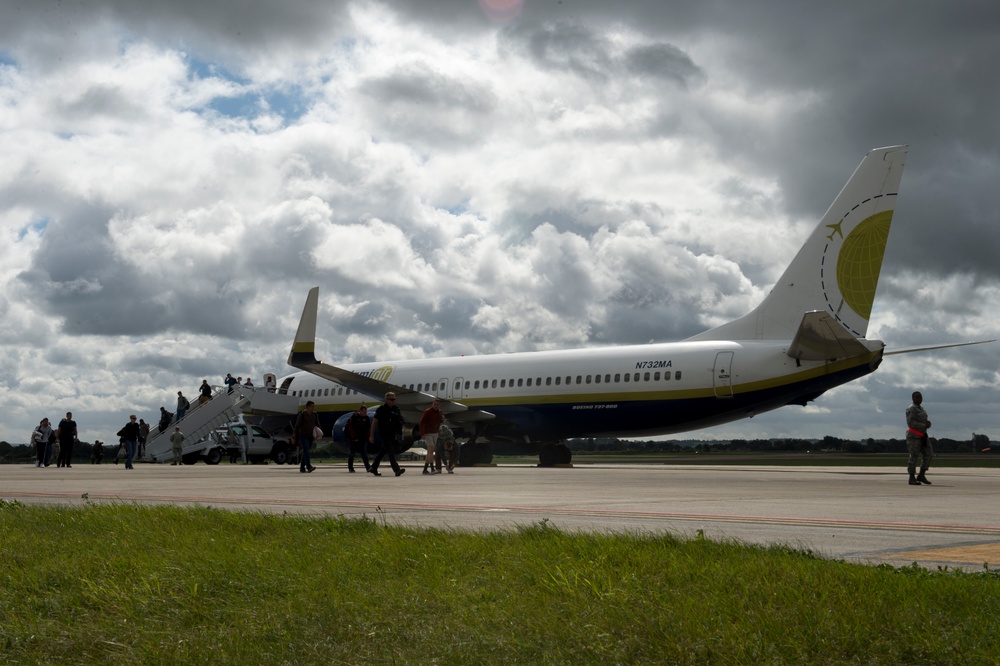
(236, 438)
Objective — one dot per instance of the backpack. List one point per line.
(185, 404)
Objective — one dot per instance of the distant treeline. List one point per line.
(23, 453)
(977, 444)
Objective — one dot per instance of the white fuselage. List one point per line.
(634, 390)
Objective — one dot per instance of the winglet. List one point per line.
(303, 351)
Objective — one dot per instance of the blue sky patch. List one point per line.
(38, 226)
(288, 102)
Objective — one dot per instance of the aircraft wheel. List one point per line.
(563, 455)
(547, 456)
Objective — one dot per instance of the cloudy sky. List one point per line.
(464, 177)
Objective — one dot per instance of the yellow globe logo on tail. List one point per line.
(860, 261)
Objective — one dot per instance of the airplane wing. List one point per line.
(820, 338)
(411, 403)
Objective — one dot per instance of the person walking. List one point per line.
(205, 391)
(449, 447)
(177, 446)
(66, 435)
(130, 433)
(40, 438)
(182, 405)
(143, 436)
(304, 433)
(165, 419)
(430, 422)
(388, 423)
(917, 443)
(357, 435)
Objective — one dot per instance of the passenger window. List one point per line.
(618, 377)
(646, 377)
(597, 379)
(656, 376)
(520, 382)
(548, 381)
(635, 377)
(628, 377)
(558, 381)
(579, 379)
(503, 383)
(529, 381)
(494, 383)
(677, 375)
(666, 376)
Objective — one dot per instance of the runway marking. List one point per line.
(374, 505)
(986, 553)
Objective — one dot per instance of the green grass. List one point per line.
(122, 584)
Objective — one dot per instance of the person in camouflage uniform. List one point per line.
(918, 445)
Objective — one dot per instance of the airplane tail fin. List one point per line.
(303, 352)
(837, 269)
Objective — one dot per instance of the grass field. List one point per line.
(121, 584)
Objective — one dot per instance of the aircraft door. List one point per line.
(442, 390)
(722, 376)
(456, 389)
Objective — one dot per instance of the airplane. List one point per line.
(806, 337)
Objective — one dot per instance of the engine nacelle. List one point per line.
(338, 434)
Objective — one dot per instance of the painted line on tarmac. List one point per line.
(987, 530)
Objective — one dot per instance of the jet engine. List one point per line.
(341, 444)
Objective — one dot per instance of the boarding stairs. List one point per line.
(202, 420)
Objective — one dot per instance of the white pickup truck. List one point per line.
(236, 438)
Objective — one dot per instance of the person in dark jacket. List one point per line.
(357, 435)
(165, 419)
(66, 433)
(130, 433)
(305, 424)
(388, 423)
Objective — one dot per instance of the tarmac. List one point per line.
(866, 515)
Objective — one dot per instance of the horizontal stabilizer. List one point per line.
(820, 338)
(910, 350)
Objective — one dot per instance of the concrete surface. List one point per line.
(861, 514)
